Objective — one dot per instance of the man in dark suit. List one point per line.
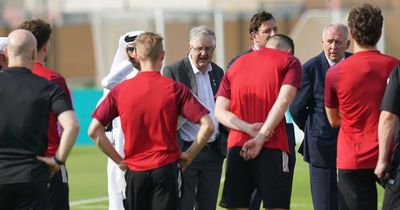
(202, 77)
(307, 110)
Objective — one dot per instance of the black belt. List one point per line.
(206, 148)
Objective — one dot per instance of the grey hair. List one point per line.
(201, 31)
(338, 26)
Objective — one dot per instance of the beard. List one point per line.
(135, 63)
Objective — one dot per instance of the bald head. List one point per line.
(21, 48)
(281, 42)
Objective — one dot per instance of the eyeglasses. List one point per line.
(205, 49)
(130, 49)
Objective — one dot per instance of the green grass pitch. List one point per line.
(88, 181)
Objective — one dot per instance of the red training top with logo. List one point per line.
(356, 86)
(252, 85)
(149, 105)
(53, 132)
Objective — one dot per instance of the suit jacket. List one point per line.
(308, 112)
(182, 71)
(236, 57)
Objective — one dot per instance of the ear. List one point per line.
(139, 59)
(5, 52)
(46, 46)
(253, 36)
(162, 54)
(33, 54)
(189, 47)
(347, 44)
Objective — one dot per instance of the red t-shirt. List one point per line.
(149, 105)
(356, 86)
(252, 85)
(53, 132)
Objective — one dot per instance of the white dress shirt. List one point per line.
(205, 95)
(331, 63)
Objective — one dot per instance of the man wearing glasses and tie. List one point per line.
(202, 77)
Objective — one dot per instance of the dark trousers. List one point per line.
(392, 193)
(154, 189)
(357, 189)
(23, 196)
(391, 200)
(59, 191)
(323, 188)
(256, 199)
(202, 179)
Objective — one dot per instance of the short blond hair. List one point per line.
(149, 46)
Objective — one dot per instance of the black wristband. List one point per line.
(59, 162)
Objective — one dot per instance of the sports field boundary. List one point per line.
(101, 199)
(88, 201)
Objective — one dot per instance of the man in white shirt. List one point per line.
(202, 77)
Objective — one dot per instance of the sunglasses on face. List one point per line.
(130, 49)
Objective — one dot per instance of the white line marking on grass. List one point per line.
(88, 201)
(91, 207)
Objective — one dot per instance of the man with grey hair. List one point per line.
(202, 77)
(307, 110)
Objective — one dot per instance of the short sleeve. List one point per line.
(331, 80)
(391, 99)
(293, 74)
(60, 81)
(59, 102)
(224, 89)
(107, 109)
(188, 106)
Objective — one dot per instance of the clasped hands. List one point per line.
(252, 147)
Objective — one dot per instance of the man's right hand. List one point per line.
(185, 160)
(381, 170)
(51, 163)
(252, 147)
(123, 166)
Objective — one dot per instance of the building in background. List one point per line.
(85, 31)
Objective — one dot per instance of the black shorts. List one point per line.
(24, 196)
(153, 190)
(268, 173)
(392, 191)
(59, 191)
(357, 189)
